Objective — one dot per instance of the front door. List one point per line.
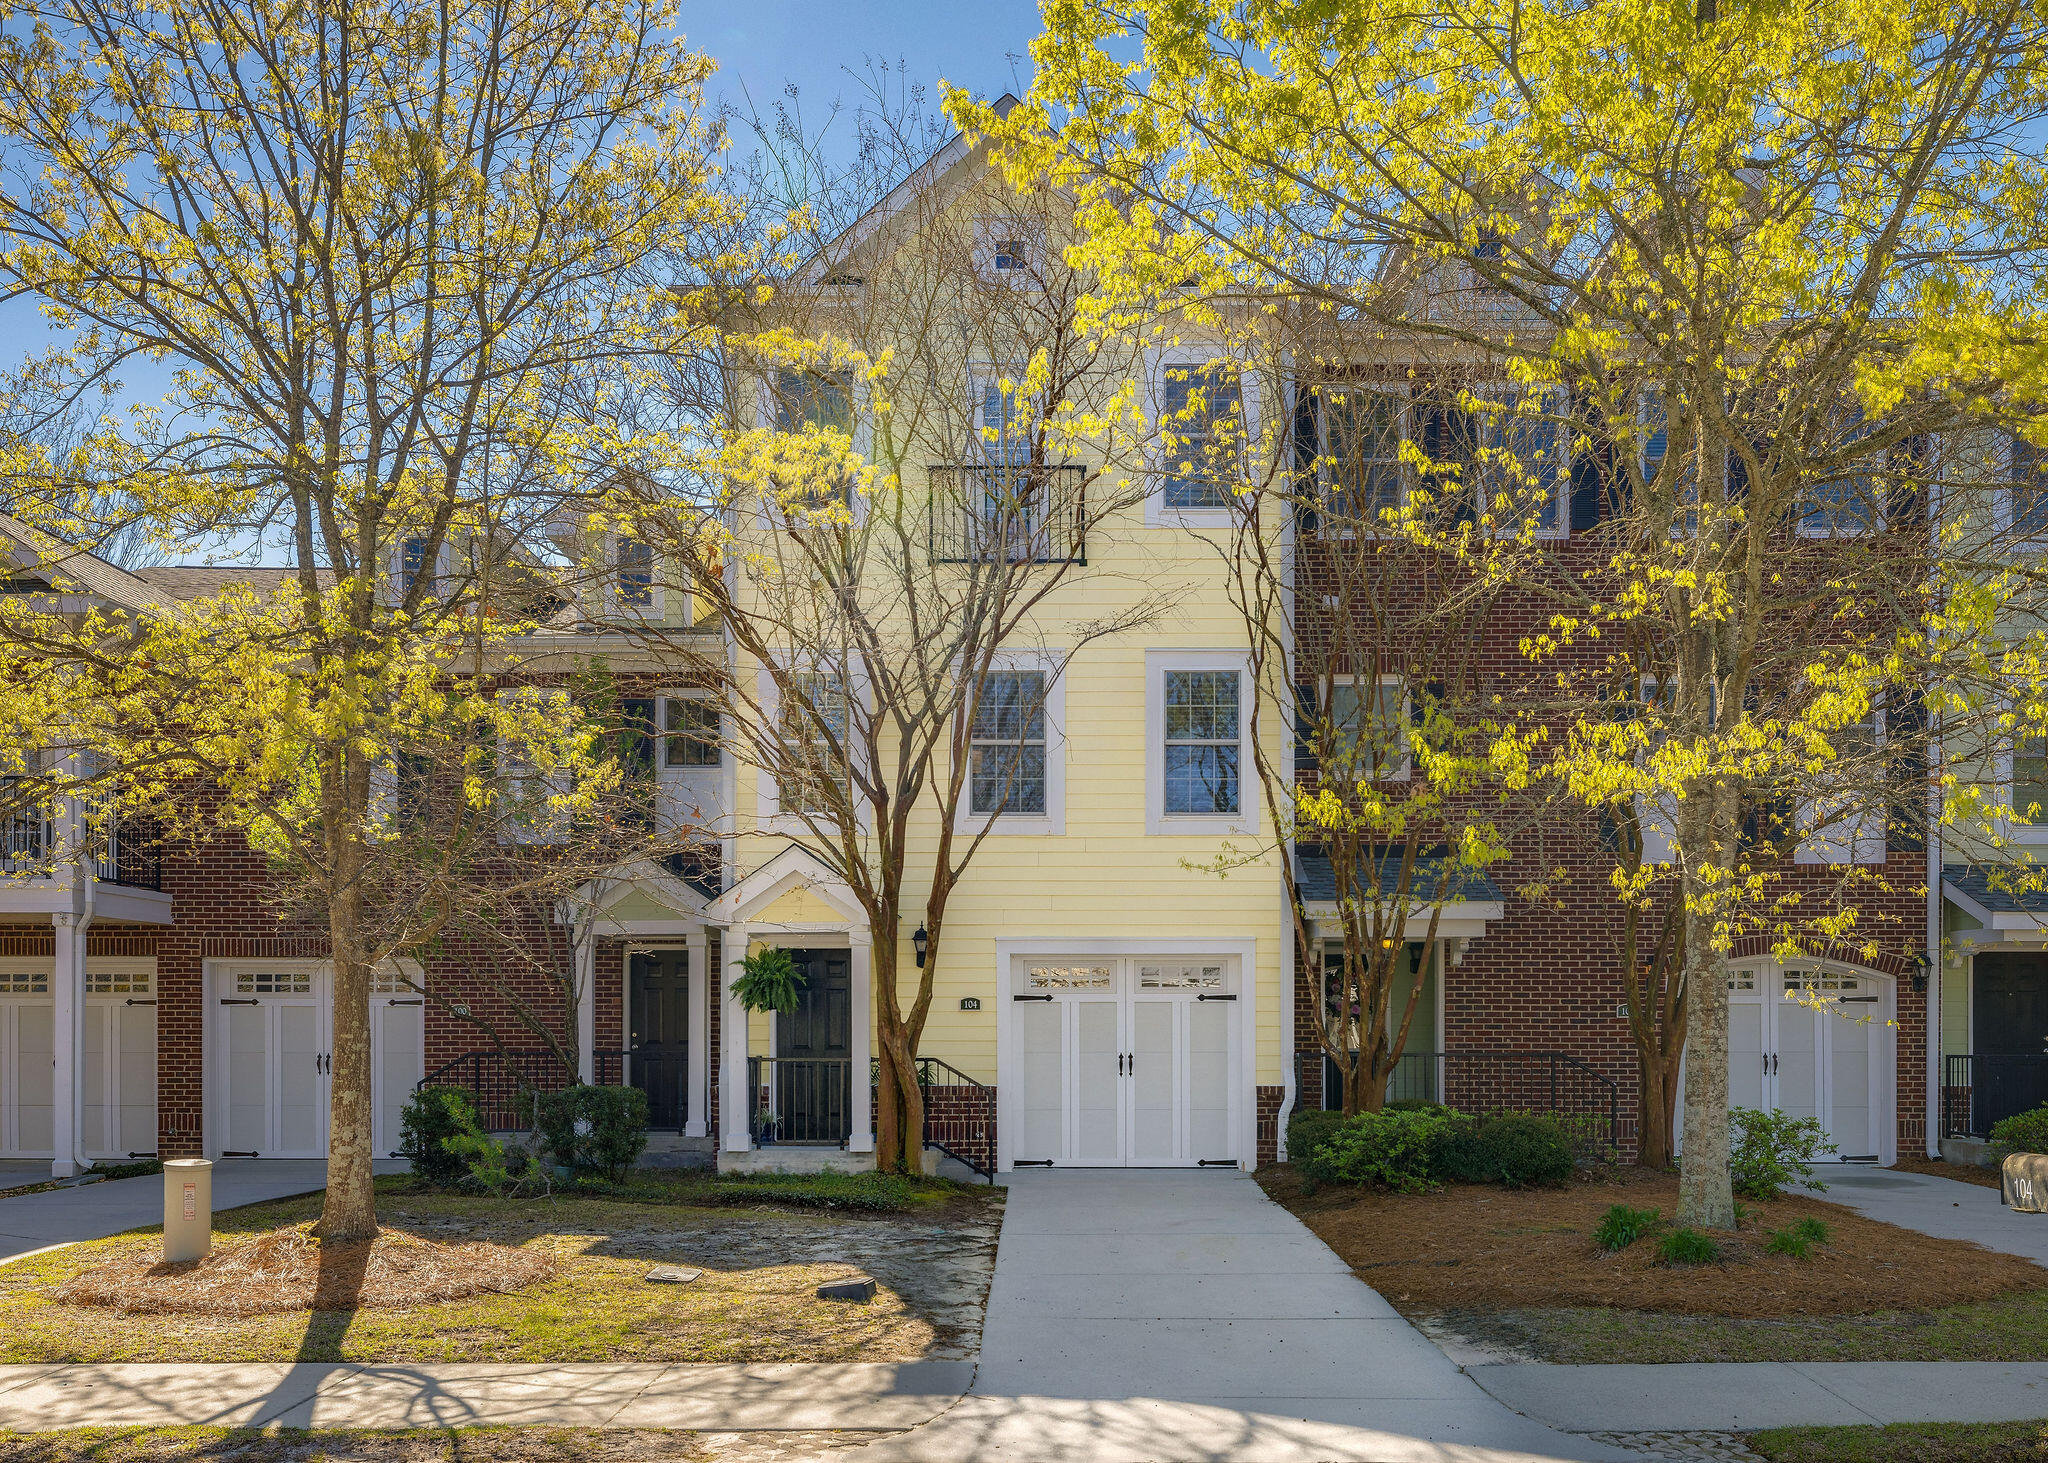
(814, 1052)
(1123, 1063)
(658, 1033)
(2009, 1035)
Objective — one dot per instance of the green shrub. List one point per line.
(1392, 1149)
(1516, 1150)
(1622, 1226)
(1415, 1104)
(1798, 1240)
(1771, 1151)
(1687, 1247)
(432, 1116)
(2025, 1132)
(1307, 1128)
(588, 1129)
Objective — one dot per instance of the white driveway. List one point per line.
(1945, 1208)
(94, 1211)
(1169, 1316)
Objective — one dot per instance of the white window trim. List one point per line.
(1406, 419)
(2030, 835)
(438, 575)
(1157, 513)
(2001, 500)
(662, 770)
(1053, 821)
(767, 790)
(1158, 821)
(990, 230)
(765, 405)
(611, 607)
(1407, 715)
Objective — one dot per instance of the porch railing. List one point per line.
(800, 1100)
(1979, 1089)
(24, 844)
(132, 857)
(1481, 1082)
(1018, 513)
(496, 1079)
(959, 1115)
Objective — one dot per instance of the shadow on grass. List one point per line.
(337, 1295)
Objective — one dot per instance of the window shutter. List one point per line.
(1588, 478)
(1906, 728)
(1307, 438)
(1304, 728)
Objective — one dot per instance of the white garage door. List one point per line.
(27, 1126)
(1813, 1042)
(120, 1060)
(1123, 1063)
(275, 1058)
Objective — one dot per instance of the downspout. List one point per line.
(1933, 948)
(1289, 1063)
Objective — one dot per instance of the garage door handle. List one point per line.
(1774, 1064)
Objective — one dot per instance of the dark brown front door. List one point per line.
(2009, 1062)
(813, 1050)
(658, 1031)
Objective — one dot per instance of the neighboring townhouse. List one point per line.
(152, 1001)
(1988, 907)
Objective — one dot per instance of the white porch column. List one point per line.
(584, 932)
(67, 1016)
(736, 1100)
(862, 1138)
(698, 1061)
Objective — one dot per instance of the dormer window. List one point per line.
(1492, 245)
(1010, 254)
(2026, 490)
(633, 573)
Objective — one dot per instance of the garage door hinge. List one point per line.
(1216, 1163)
(1031, 1163)
(240, 1001)
(132, 1001)
(239, 1153)
(415, 1001)
(1209, 996)
(1031, 998)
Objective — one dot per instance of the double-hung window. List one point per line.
(813, 724)
(1523, 477)
(1007, 745)
(2030, 778)
(689, 732)
(415, 562)
(1845, 502)
(1204, 729)
(529, 792)
(806, 404)
(1201, 424)
(1360, 472)
(1004, 497)
(1368, 730)
(633, 573)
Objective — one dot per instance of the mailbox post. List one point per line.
(188, 1209)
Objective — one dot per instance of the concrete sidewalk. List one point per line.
(1944, 1208)
(783, 1397)
(1738, 1396)
(94, 1211)
(1181, 1315)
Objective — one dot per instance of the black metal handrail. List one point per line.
(1482, 1081)
(133, 856)
(497, 1079)
(24, 844)
(999, 512)
(968, 1136)
(1981, 1089)
(800, 1100)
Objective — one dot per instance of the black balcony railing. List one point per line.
(132, 856)
(25, 844)
(1482, 1082)
(1981, 1089)
(1018, 513)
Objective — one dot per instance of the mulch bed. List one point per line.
(1962, 1173)
(289, 1270)
(1477, 1248)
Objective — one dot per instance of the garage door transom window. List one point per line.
(274, 982)
(1070, 978)
(24, 982)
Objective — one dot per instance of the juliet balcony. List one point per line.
(1015, 513)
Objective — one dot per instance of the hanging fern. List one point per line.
(769, 981)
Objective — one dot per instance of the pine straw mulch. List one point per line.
(289, 1270)
(1962, 1173)
(1475, 1248)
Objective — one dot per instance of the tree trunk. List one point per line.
(1705, 1198)
(1656, 1107)
(349, 1210)
(899, 1136)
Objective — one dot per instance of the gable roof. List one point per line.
(73, 570)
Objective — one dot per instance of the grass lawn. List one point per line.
(422, 1445)
(1906, 1442)
(1518, 1275)
(763, 1252)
